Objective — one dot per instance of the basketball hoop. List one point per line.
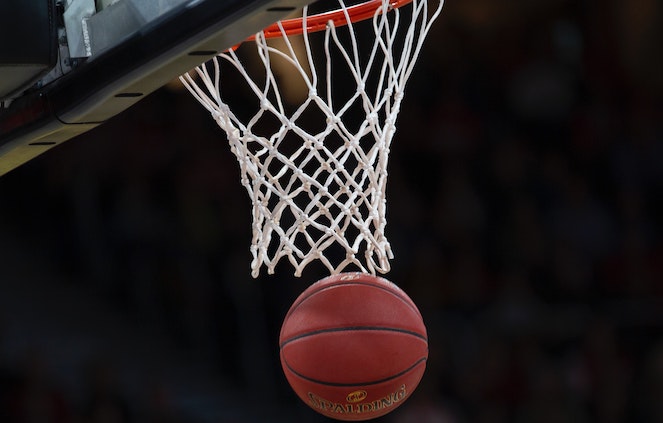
(319, 189)
(339, 17)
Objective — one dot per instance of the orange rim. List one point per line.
(357, 13)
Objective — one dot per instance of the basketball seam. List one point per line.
(320, 382)
(355, 328)
(407, 301)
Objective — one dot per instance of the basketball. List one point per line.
(353, 346)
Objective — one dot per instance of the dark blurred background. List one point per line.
(525, 209)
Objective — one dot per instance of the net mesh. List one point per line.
(317, 176)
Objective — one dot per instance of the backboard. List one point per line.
(93, 59)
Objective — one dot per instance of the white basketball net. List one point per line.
(329, 189)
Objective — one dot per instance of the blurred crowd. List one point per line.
(525, 210)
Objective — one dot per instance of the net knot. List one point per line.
(390, 123)
(372, 119)
(333, 120)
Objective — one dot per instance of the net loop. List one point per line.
(316, 170)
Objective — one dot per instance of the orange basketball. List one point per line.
(353, 346)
